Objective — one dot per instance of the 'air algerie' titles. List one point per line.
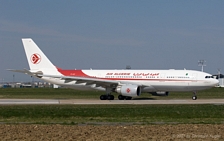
(135, 74)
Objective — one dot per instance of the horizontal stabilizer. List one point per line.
(26, 72)
(20, 71)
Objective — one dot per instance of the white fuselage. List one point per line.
(152, 80)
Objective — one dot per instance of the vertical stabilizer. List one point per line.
(36, 58)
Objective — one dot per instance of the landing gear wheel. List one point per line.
(103, 97)
(106, 97)
(128, 98)
(110, 97)
(194, 97)
(121, 97)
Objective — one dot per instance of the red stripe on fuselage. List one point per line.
(78, 73)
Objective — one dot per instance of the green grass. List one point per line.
(94, 114)
(63, 93)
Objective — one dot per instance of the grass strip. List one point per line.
(135, 114)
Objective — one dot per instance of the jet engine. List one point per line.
(159, 93)
(129, 90)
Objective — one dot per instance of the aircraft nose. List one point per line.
(216, 82)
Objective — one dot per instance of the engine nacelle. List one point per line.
(129, 90)
(160, 93)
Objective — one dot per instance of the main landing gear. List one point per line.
(194, 97)
(121, 97)
(106, 97)
(111, 97)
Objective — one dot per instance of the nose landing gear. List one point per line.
(194, 97)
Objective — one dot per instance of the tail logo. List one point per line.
(35, 58)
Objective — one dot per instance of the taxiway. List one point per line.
(95, 101)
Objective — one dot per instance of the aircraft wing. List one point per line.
(89, 81)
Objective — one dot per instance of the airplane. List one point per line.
(127, 83)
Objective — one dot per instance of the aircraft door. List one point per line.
(162, 76)
(194, 76)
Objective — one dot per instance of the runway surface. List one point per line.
(95, 101)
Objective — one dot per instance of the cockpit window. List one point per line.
(208, 76)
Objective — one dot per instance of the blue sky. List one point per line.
(83, 34)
